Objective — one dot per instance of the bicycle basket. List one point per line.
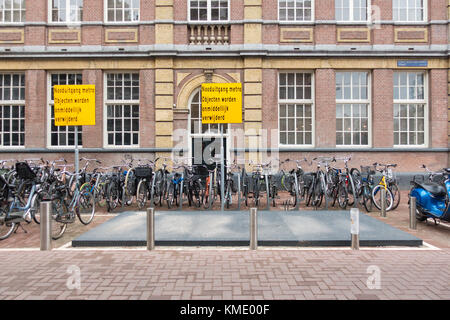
(143, 172)
(200, 171)
(24, 171)
(368, 170)
(390, 175)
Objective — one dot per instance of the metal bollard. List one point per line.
(46, 226)
(354, 229)
(150, 228)
(412, 213)
(383, 202)
(253, 229)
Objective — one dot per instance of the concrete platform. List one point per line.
(231, 228)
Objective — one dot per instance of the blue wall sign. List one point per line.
(412, 63)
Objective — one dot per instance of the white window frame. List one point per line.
(208, 13)
(368, 101)
(22, 9)
(49, 111)
(351, 20)
(105, 4)
(426, 104)
(295, 101)
(68, 21)
(425, 14)
(107, 102)
(313, 2)
(14, 103)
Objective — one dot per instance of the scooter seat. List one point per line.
(435, 189)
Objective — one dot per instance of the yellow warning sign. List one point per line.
(74, 105)
(222, 103)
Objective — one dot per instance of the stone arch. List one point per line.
(189, 87)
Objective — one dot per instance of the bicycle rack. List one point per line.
(239, 191)
(267, 191)
(296, 192)
(152, 192)
(181, 190)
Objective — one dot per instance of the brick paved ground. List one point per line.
(225, 274)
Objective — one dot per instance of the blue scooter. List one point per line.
(432, 198)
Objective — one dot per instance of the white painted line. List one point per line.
(19, 249)
(245, 248)
(107, 215)
(102, 249)
(68, 244)
(430, 246)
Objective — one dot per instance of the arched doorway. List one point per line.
(204, 139)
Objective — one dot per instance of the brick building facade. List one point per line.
(319, 77)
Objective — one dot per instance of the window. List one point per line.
(12, 110)
(352, 109)
(63, 136)
(122, 109)
(298, 10)
(67, 10)
(196, 118)
(12, 11)
(122, 10)
(410, 108)
(208, 10)
(409, 10)
(295, 108)
(351, 10)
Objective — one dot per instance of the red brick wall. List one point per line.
(93, 135)
(93, 10)
(438, 108)
(35, 108)
(324, 10)
(147, 108)
(325, 94)
(270, 9)
(91, 35)
(270, 103)
(382, 108)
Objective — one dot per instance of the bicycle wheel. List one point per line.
(293, 193)
(256, 192)
(86, 205)
(324, 190)
(112, 197)
(6, 228)
(59, 213)
(157, 188)
(141, 194)
(396, 194)
(357, 181)
(101, 195)
(228, 195)
(316, 199)
(196, 194)
(207, 194)
(367, 198)
(36, 208)
(170, 196)
(376, 197)
(342, 196)
(130, 183)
